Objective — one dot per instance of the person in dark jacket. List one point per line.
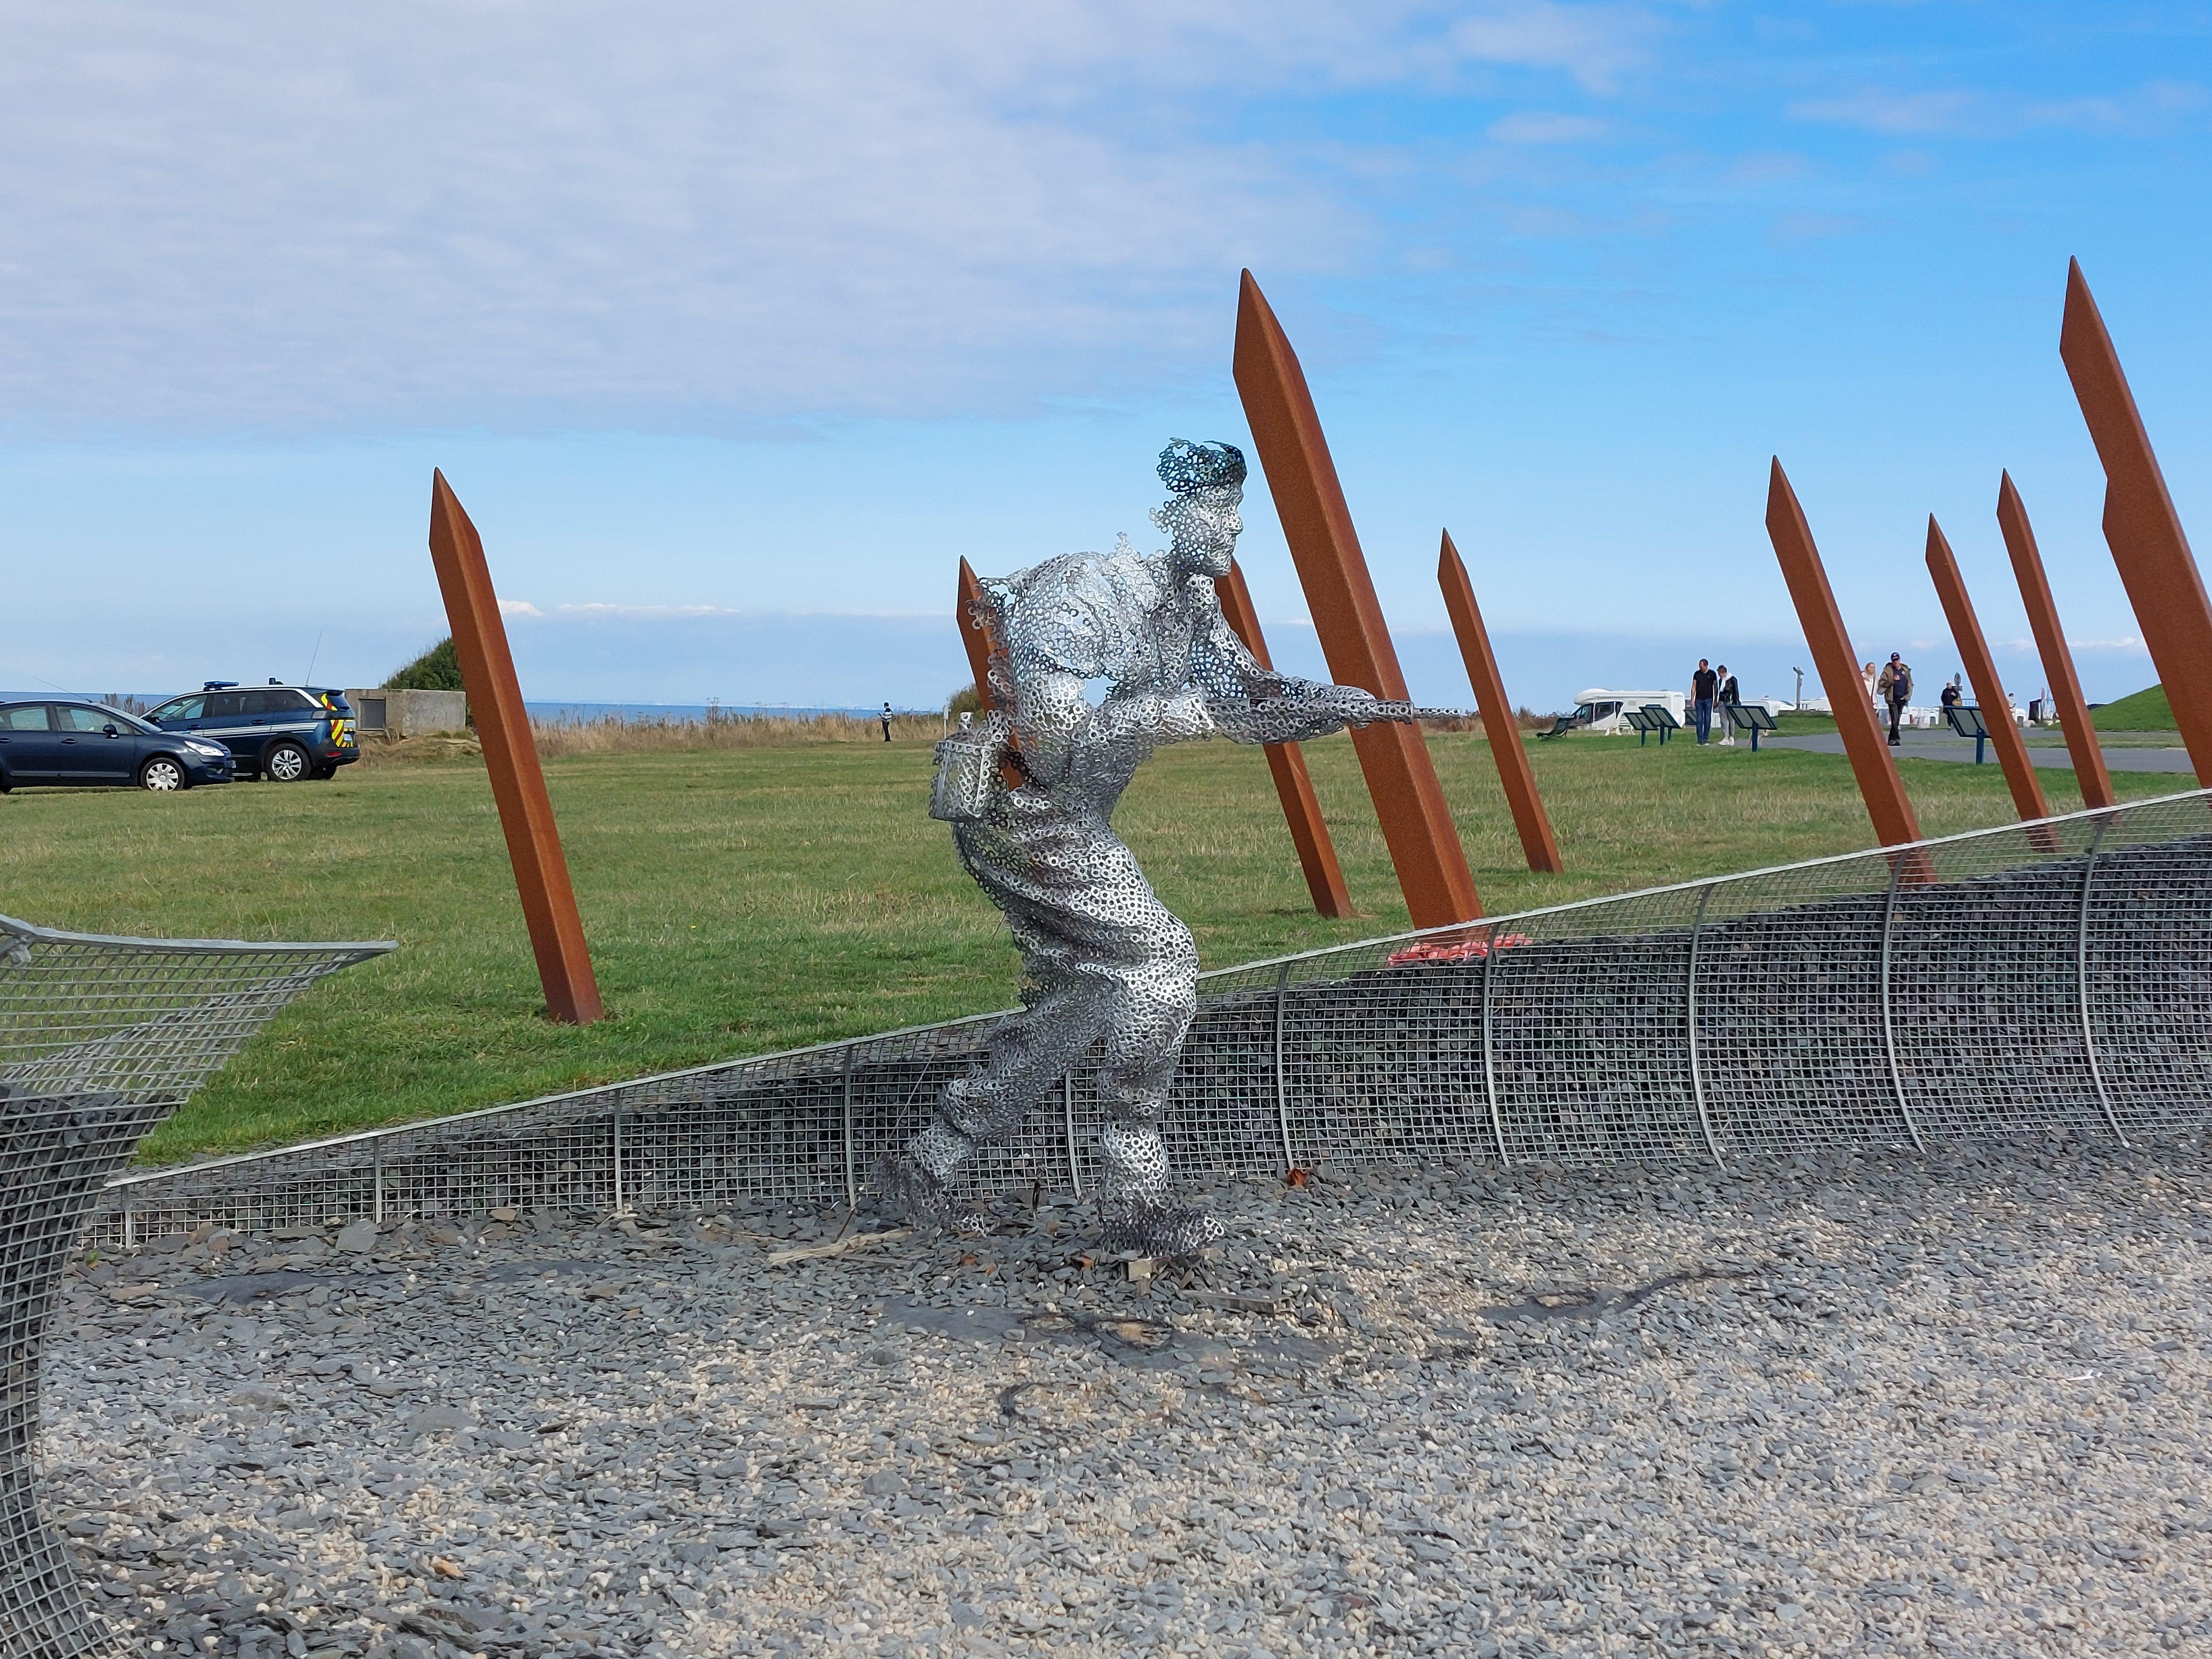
(1703, 683)
(1895, 686)
(1728, 694)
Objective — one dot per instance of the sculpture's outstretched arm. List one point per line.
(1273, 708)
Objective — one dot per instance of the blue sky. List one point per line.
(736, 327)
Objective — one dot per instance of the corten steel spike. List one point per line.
(1506, 747)
(533, 840)
(2141, 525)
(1883, 791)
(2089, 771)
(979, 642)
(1981, 670)
(1416, 825)
(1293, 783)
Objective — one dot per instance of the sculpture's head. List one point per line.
(1206, 484)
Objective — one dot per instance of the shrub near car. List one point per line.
(76, 744)
(280, 732)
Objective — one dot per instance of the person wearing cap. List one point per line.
(1895, 686)
(1104, 963)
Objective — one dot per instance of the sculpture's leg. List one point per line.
(1061, 1016)
(1155, 998)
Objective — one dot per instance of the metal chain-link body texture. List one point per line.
(100, 1040)
(1104, 961)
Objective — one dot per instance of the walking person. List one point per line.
(1952, 695)
(1895, 685)
(1703, 683)
(887, 722)
(1727, 695)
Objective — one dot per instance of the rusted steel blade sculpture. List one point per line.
(1416, 825)
(2141, 525)
(2089, 771)
(533, 840)
(1981, 670)
(975, 635)
(1499, 724)
(1883, 791)
(1287, 761)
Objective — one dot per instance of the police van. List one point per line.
(280, 732)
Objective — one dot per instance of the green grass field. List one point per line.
(740, 900)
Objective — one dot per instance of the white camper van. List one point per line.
(1599, 710)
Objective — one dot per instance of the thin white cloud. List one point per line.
(1545, 127)
(1597, 45)
(1959, 113)
(519, 608)
(245, 214)
(1897, 114)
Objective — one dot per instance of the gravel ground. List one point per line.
(1853, 1405)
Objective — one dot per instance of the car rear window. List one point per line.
(224, 705)
(277, 700)
(31, 717)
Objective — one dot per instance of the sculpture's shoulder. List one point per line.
(1078, 613)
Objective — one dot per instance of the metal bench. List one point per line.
(101, 1039)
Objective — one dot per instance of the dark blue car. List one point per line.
(74, 745)
(280, 732)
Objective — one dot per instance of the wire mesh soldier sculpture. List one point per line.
(1102, 957)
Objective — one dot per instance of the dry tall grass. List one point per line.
(610, 735)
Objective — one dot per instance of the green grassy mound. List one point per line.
(2147, 710)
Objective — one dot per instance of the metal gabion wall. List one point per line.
(2007, 981)
(100, 1040)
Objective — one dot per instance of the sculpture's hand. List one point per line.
(1405, 713)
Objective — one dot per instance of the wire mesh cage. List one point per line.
(2050, 976)
(100, 1040)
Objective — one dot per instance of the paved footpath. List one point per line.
(1883, 1405)
(1947, 746)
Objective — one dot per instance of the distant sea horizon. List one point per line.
(556, 711)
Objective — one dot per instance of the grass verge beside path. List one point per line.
(743, 900)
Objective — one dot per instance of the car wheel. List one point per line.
(161, 773)
(285, 762)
